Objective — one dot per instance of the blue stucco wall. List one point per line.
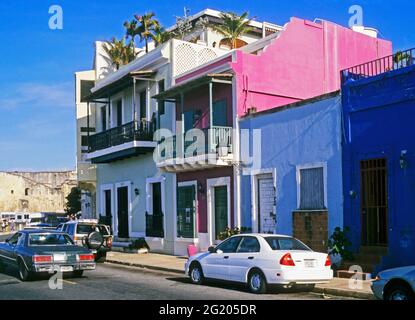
(299, 135)
(379, 121)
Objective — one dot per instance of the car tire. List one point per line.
(78, 273)
(24, 274)
(256, 282)
(196, 274)
(399, 292)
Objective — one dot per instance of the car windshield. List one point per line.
(283, 243)
(88, 228)
(49, 239)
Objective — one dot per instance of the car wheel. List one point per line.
(78, 273)
(399, 292)
(24, 274)
(256, 282)
(196, 274)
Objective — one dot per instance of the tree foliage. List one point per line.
(73, 201)
(233, 27)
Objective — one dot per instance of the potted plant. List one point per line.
(338, 247)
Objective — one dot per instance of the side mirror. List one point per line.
(7, 240)
(212, 249)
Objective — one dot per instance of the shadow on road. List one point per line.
(274, 289)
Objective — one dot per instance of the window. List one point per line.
(161, 104)
(143, 104)
(26, 191)
(13, 240)
(219, 114)
(249, 244)
(119, 113)
(86, 86)
(84, 141)
(12, 191)
(311, 188)
(229, 245)
(49, 239)
(104, 118)
(280, 243)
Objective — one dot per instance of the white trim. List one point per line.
(311, 166)
(255, 176)
(130, 217)
(196, 218)
(121, 147)
(211, 183)
(103, 188)
(149, 197)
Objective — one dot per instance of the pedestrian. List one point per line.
(12, 225)
(3, 225)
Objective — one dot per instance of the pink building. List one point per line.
(302, 61)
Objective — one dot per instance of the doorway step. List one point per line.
(128, 245)
(368, 258)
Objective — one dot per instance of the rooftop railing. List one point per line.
(399, 60)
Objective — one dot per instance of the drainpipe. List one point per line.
(87, 123)
(134, 106)
(210, 131)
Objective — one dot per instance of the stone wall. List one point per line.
(311, 228)
(35, 191)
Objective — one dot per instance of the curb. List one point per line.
(345, 293)
(328, 291)
(144, 266)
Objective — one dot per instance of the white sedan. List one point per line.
(260, 260)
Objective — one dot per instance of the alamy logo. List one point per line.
(56, 20)
(357, 16)
(56, 281)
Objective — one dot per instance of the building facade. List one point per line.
(379, 160)
(301, 61)
(296, 186)
(35, 191)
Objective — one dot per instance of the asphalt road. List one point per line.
(112, 282)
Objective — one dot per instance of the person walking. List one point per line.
(3, 225)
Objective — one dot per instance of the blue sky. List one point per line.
(37, 113)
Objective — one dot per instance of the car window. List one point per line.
(71, 229)
(279, 243)
(13, 240)
(20, 241)
(49, 239)
(230, 245)
(88, 228)
(248, 244)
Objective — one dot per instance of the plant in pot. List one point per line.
(339, 245)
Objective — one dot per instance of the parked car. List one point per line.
(260, 260)
(90, 234)
(395, 284)
(44, 252)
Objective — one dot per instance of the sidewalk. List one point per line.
(162, 262)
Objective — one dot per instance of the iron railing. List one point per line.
(154, 225)
(399, 60)
(221, 137)
(132, 131)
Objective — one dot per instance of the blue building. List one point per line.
(378, 102)
(296, 186)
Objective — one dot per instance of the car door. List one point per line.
(246, 256)
(215, 265)
(8, 248)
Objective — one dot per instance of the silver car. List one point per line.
(395, 284)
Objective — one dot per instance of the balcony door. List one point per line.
(220, 114)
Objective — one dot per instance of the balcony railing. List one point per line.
(373, 68)
(132, 131)
(221, 137)
(154, 225)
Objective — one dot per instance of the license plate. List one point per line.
(309, 263)
(59, 257)
(66, 268)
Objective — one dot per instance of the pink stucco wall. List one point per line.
(303, 62)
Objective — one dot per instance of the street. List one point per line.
(126, 283)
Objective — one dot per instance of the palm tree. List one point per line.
(160, 35)
(119, 52)
(147, 26)
(233, 27)
(131, 30)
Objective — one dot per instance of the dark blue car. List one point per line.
(44, 252)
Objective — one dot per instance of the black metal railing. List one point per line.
(399, 60)
(221, 137)
(132, 131)
(154, 225)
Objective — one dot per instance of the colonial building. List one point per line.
(35, 191)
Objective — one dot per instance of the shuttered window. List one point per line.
(312, 189)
